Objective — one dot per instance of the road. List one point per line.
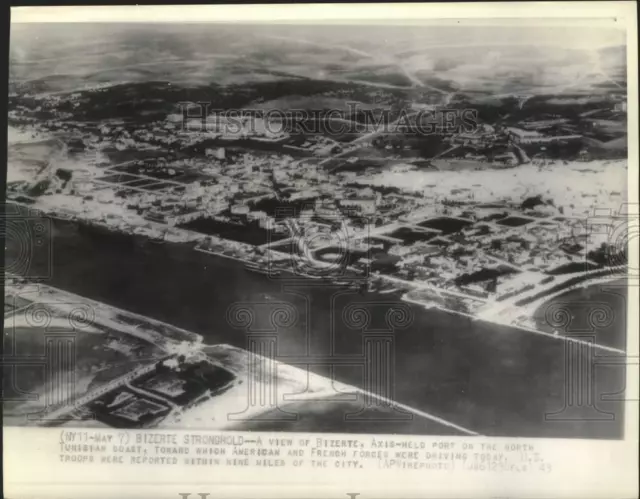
(507, 311)
(61, 412)
(430, 287)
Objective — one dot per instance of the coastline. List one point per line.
(194, 293)
(507, 313)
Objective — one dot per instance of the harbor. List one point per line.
(194, 290)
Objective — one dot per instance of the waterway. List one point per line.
(491, 379)
(595, 313)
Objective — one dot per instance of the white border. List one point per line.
(400, 13)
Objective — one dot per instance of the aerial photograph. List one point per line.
(367, 229)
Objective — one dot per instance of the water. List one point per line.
(490, 379)
(594, 313)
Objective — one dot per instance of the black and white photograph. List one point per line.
(402, 229)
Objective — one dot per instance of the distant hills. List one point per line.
(58, 58)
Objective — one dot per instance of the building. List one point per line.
(175, 118)
(364, 245)
(256, 215)
(267, 223)
(183, 218)
(476, 290)
(509, 159)
(327, 211)
(478, 138)
(240, 209)
(365, 205)
(523, 136)
(218, 153)
(536, 125)
(155, 216)
(620, 107)
(520, 136)
(584, 155)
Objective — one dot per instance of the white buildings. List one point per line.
(327, 211)
(271, 130)
(256, 215)
(240, 209)
(536, 125)
(523, 136)
(218, 153)
(366, 206)
(175, 118)
(508, 158)
(484, 135)
(533, 137)
(267, 222)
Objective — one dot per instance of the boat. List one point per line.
(342, 282)
(254, 267)
(65, 216)
(312, 276)
(258, 270)
(205, 248)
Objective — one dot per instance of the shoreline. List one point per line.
(244, 252)
(469, 335)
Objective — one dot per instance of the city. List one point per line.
(483, 197)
